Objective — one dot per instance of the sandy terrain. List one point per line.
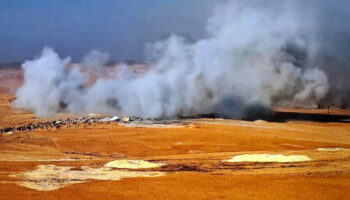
(182, 159)
(10, 80)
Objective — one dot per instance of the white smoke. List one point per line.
(95, 58)
(253, 55)
(47, 84)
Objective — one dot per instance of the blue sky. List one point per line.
(74, 27)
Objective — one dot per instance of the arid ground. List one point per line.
(179, 159)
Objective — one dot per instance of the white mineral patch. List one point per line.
(268, 158)
(260, 121)
(106, 119)
(125, 119)
(153, 124)
(132, 164)
(93, 114)
(114, 118)
(332, 149)
(52, 177)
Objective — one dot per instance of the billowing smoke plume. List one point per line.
(95, 58)
(254, 54)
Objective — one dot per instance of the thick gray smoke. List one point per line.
(254, 54)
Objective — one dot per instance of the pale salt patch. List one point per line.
(132, 164)
(332, 149)
(125, 119)
(106, 119)
(9, 133)
(114, 118)
(94, 114)
(52, 177)
(260, 121)
(268, 158)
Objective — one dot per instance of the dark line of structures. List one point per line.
(58, 124)
(274, 116)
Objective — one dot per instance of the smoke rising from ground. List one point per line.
(95, 58)
(255, 54)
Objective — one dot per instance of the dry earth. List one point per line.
(184, 159)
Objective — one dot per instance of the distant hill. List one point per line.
(15, 65)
